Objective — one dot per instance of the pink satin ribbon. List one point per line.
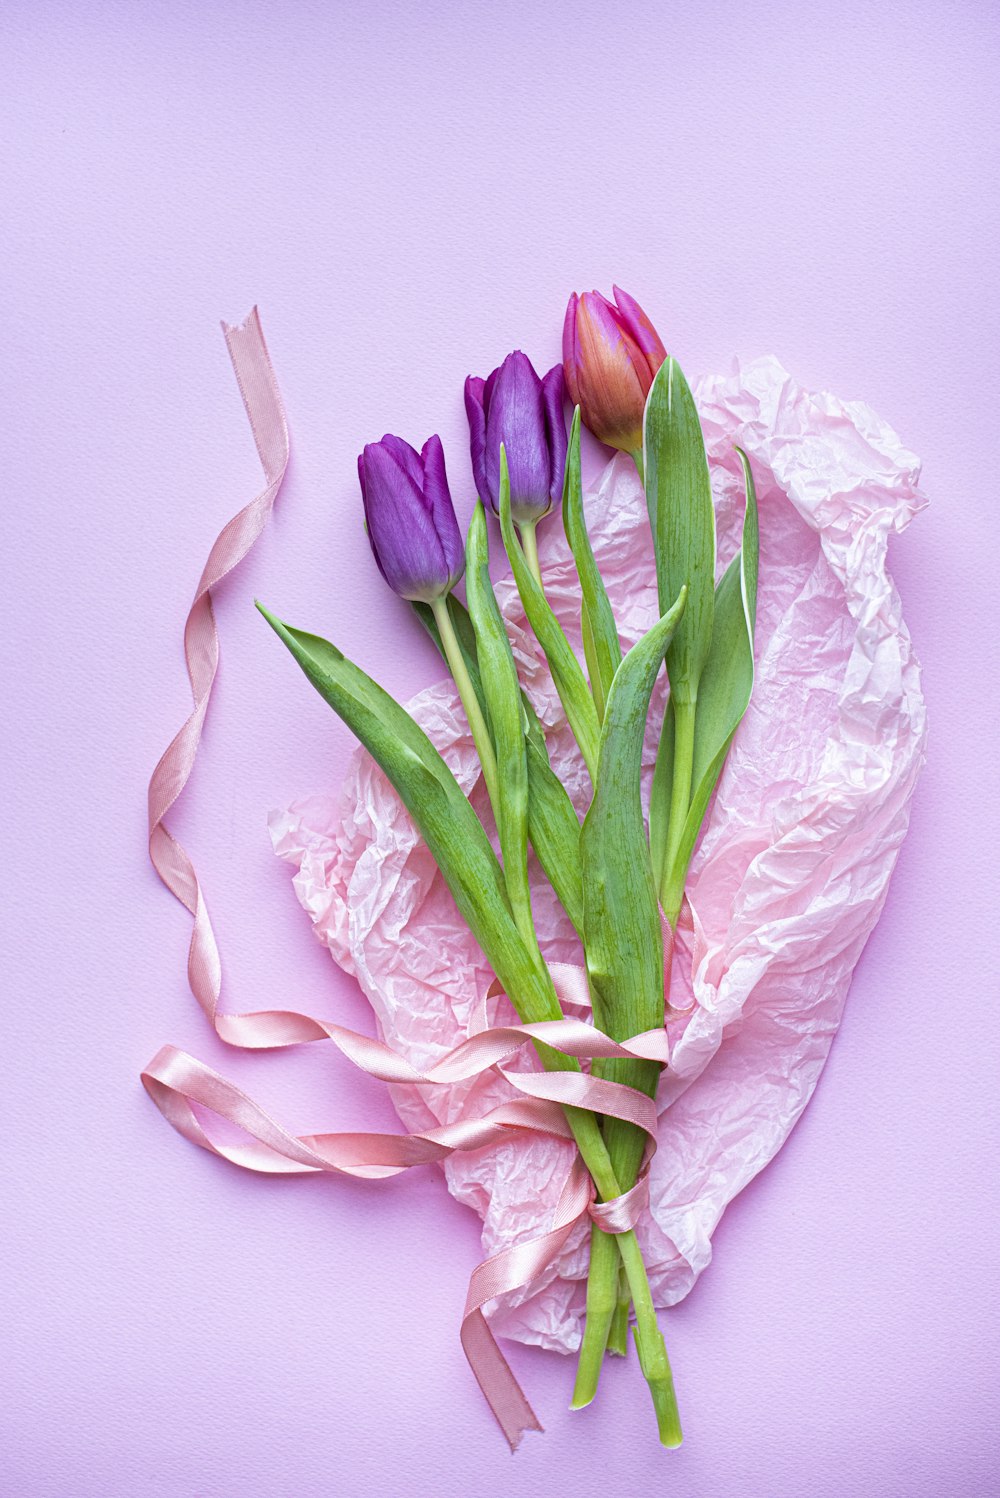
(188, 1093)
(262, 400)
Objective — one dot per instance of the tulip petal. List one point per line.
(612, 396)
(368, 528)
(636, 355)
(641, 330)
(406, 457)
(401, 530)
(488, 387)
(475, 410)
(571, 350)
(516, 417)
(553, 398)
(437, 497)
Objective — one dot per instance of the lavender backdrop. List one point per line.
(409, 192)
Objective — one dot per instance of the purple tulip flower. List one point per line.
(410, 518)
(525, 413)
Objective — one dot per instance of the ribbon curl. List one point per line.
(185, 1090)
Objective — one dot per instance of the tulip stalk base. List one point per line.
(618, 1335)
(648, 1338)
(602, 1309)
(602, 1304)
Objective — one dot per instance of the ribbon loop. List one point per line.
(622, 1214)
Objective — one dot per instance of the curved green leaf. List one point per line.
(553, 825)
(433, 797)
(622, 929)
(567, 674)
(724, 692)
(682, 517)
(601, 645)
(621, 915)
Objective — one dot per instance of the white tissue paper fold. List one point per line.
(787, 882)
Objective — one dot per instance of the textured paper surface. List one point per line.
(409, 193)
(784, 889)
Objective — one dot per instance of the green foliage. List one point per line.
(622, 928)
(682, 517)
(434, 799)
(553, 828)
(723, 697)
(567, 674)
(502, 692)
(600, 633)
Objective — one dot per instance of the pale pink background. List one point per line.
(409, 192)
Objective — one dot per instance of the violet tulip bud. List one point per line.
(611, 351)
(514, 407)
(410, 518)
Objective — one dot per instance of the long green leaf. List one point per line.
(434, 799)
(602, 647)
(570, 682)
(622, 928)
(553, 827)
(679, 498)
(725, 689)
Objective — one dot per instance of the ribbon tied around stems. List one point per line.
(189, 1094)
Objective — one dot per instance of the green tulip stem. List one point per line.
(672, 876)
(618, 1335)
(467, 692)
(640, 467)
(529, 543)
(602, 1308)
(649, 1341)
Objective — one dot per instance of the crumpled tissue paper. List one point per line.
(785, 887)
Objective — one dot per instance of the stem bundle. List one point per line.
(612, 876)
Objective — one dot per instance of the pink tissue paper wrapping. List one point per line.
(784, 889)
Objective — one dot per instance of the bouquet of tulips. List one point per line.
(620, 880)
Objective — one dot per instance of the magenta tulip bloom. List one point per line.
(611, 351)
(514, 407)
(410, 518)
